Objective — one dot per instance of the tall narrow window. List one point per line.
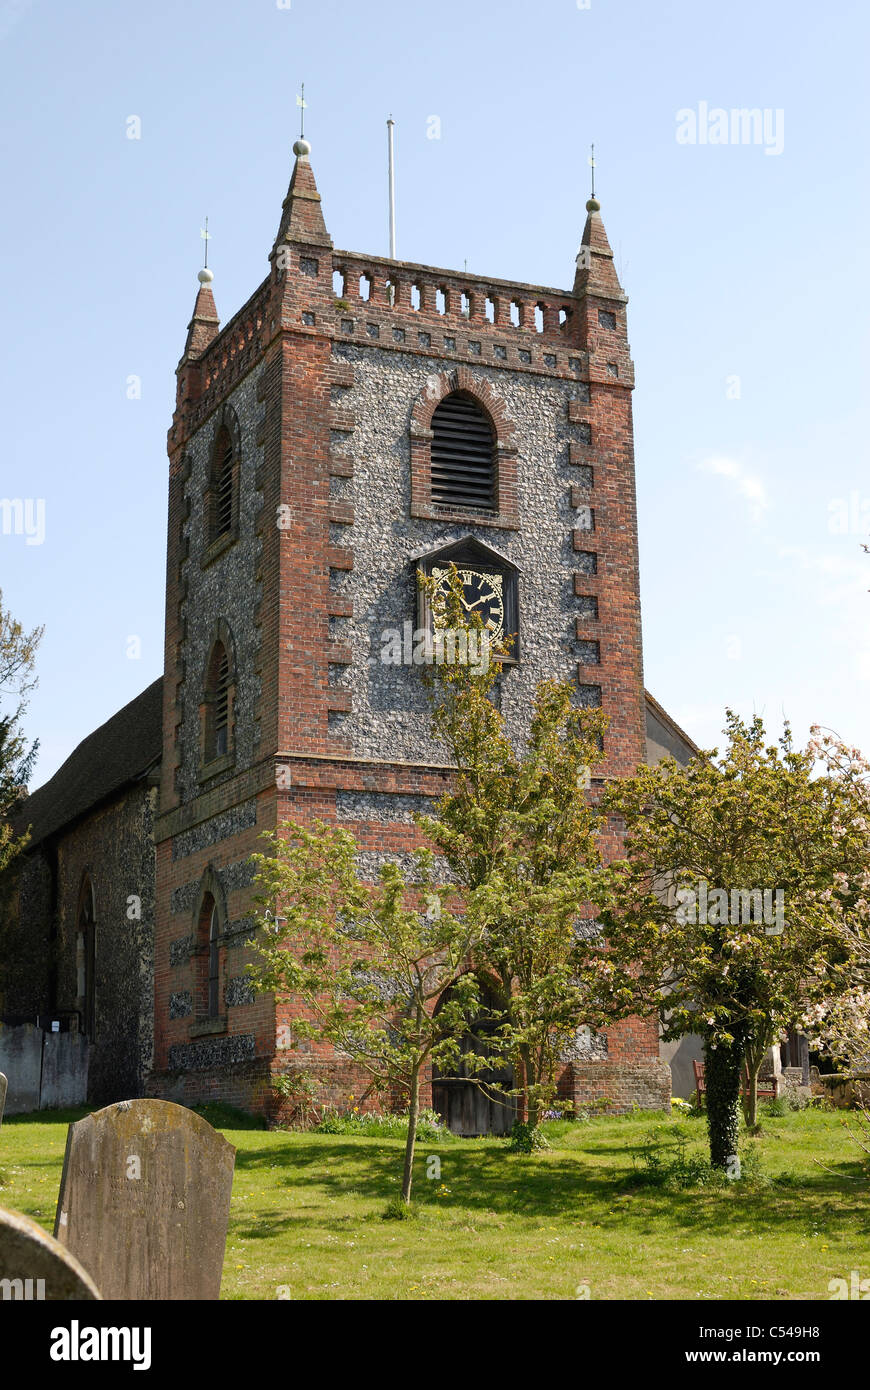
(222, 707)
(463, 454)
(222, 495)
(214, 964)
(218, 704)
(208, 957)
(222, 485)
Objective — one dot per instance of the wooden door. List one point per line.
(464, 1104)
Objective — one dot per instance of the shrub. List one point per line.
(775, 1109)
(299, 1088)
(526, 1139)
(672, 1167)
(397, 1209)
(790, 1100)
(590, 1108)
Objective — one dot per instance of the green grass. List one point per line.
(308, 1213)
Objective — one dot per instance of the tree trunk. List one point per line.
(722, 1074)
(413, 1114)
(756, 1052)
(750, 1107)
(533, 1108)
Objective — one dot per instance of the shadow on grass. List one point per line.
(487, 1180)
(49, 1117)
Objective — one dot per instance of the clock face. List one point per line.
(482, 592)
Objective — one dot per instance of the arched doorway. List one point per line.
(465, 1101)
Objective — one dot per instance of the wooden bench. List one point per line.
(766, 1089)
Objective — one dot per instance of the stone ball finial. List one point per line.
(593, 205)
(301, 149)
(205, 276)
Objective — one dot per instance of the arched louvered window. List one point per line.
(218, 695)
(223, 486)
(208, 971)
(463, 454)
(214, 963)
(222, 706)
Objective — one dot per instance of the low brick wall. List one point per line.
(623, 1084)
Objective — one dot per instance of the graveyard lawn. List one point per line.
(307, 1213)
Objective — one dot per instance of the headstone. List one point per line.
(34, 1266)
(145, 1199)
(3, 1084)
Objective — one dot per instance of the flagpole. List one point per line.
(392, 179)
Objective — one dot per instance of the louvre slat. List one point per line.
(463, 471)
(222, 702)
(222, 496)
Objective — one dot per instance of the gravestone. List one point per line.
(3, 1084)
(145, 1199)
(33, 1266)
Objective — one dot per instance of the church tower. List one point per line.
(359, 417)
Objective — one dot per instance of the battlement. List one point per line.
(230, 356)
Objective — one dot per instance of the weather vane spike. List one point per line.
(206, 236)
(301, 103)
(592, 167)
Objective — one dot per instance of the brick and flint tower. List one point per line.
(307, 482)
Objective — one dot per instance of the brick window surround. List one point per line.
(505, 514)
(227, 431)
(209, 927)
(212, 759)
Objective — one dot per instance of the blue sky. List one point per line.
(746, 271)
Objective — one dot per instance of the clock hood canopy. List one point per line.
(467, 549)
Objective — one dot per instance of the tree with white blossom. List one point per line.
(840, 1025)
(757, 818)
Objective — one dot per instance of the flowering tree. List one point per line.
(724, 914)
(840, 1025)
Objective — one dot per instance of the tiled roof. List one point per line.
(120, 752)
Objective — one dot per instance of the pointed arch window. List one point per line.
(463, 453)
(218, 704)
(214, 964)
(222, 704)
(222, 494)
(209, 946)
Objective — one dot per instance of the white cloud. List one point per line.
(748, 485)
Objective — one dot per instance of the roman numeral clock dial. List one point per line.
(482, 593)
